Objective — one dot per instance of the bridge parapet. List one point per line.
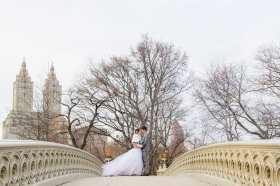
(248, 163)
(34, 162)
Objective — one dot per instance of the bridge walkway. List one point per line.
(189, 180)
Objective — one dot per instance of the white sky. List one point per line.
(67, 32)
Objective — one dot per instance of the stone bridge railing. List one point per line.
(37, 163)
(245, 163)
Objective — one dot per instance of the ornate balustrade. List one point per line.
(248, 163)
(34, 162)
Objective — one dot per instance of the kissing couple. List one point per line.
(134, 162)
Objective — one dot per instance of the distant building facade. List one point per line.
(23, 115)
(178, 136)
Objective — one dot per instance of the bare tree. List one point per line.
(144, 88)
(215, 95)
(269, 58)
(118, 82)
(82, 104)
(226, 94)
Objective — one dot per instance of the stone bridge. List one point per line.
(225, 164)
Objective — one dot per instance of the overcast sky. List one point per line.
(68, 32)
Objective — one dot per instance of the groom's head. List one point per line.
(143, 129)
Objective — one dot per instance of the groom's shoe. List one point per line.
(145, 174)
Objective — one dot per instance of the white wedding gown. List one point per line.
(127, 164)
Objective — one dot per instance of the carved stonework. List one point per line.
(31, 162)
(245, 163)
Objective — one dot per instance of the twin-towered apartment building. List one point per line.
(23, 103)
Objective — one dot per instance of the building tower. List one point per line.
(52, 94)
(22, 103)
(23, 91)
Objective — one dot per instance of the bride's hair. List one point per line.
(143, 128)
(136, 131)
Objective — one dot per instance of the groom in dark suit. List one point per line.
(145, 142)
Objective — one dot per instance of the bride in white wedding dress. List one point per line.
(127, 164)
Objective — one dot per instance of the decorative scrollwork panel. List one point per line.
(247, 163)
(29, 162)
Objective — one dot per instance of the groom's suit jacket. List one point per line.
(146, 144)
(145, 152)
